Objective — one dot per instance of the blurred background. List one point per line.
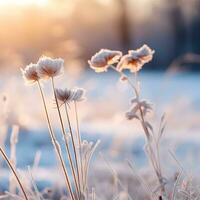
(76, 29)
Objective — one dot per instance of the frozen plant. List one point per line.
(48, 69)
(134, 61)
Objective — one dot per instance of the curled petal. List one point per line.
(135, 59)
(102, 59)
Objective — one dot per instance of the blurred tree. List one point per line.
(179, 28)
(195, 27)
(124, 25)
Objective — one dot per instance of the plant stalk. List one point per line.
(79, 139)
(53, 139)
(74, 147)
(146, 131)
(14, 172)
(66, 142)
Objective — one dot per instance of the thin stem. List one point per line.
(64, 135)
(137, 96)
(157, 163)
(146, 131)
(54, 142)
(73, 144)
(87, 159)
(14, 172)
(93, 194)
(79, 139)
(129, 81)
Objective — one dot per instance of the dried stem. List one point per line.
(74, 147)
(79, 139)
(156, 164)
(93, 194)
(53, 139)
(129, 81)
(13, 142)
(66, 142)
(14, 172)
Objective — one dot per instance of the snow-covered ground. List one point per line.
(102, 117)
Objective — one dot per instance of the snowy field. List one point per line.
(102, 117)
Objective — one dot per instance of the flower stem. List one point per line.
(66, 142)
(14, 172)
(54, 142)
(79, 139)
(74, 147)
(146, 130)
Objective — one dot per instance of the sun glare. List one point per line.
(23, 2)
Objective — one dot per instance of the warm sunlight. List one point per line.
(23, 2)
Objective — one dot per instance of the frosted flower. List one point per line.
(78, 94)
(30, 74)
(102, 59)
(64, 95)
(48, 67)
(135, 59)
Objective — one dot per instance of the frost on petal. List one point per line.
(102, 59)
(135, 59)
(48, 67)
(30, 74)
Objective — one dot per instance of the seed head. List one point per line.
(48, 67)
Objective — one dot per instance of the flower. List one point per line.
(48, 67)
(67, 95)
(30, 74)
(78, 94)
(135, 59)
(102, 59)
(64, 95)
